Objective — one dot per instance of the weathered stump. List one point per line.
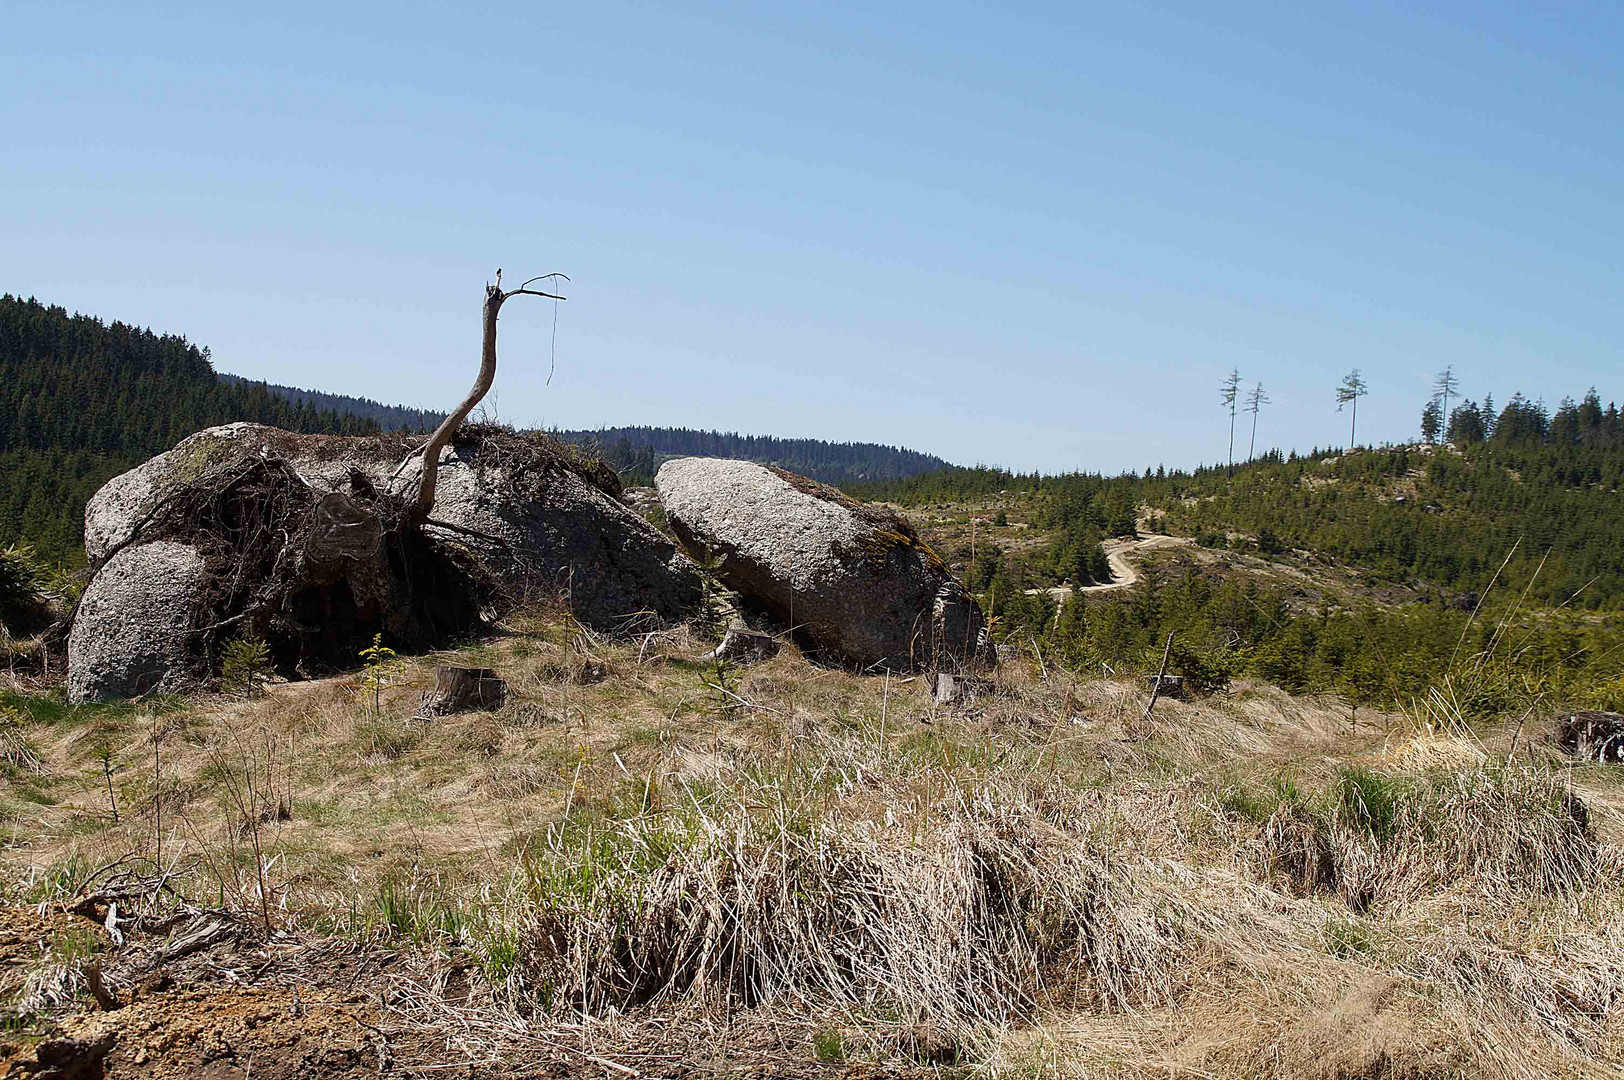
(1592, 735)
(1168, 686)
(958, 690)
(460, 689)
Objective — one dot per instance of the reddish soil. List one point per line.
(320, 1011)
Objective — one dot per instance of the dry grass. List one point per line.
(1246, 886)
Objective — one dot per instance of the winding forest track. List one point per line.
(1124, 572)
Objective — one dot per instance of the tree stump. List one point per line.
(958, 690)
(460, 689)
(1168, 686)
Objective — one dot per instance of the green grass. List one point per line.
(77, 942)
(1373, 803)
(827, 1046)
(1348, 937)
(388, 736)
(53, 708)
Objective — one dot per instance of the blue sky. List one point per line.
(1036, 236)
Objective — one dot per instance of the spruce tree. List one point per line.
(1352, 389)
(1432, 422)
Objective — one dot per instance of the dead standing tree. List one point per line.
(495, 297)
(317, 571)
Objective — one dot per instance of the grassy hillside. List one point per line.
(816, 871)
(1544, 493)
(1296, 619)
(1358, 573)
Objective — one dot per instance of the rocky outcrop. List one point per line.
(327, 463)
(853, 582)
(133, 633)
(555, 534)
(310, 537)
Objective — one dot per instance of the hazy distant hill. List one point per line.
(387, 417)
(638, 451)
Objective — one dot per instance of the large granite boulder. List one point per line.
(853, 582)
(555, 532)
(127, 501)
(134, 630)
(516, 517)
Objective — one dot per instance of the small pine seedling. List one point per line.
(243, 663)
(380, 666)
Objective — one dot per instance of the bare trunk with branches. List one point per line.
(423, 503)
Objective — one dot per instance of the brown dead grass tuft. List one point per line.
(1249, 885)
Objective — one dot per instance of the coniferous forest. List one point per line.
(637, 452)
(82, 400)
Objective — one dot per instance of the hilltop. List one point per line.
(1355, 572)
(1439, 518)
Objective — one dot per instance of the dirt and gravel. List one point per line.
(333, 1009)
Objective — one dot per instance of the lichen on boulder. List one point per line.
(852, 582)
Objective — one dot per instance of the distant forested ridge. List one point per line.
(82, 400)
(1501, 551)
(387, 417)
(638, 452)
(1535, 491)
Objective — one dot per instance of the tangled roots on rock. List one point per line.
(535, 455)
(316, 574)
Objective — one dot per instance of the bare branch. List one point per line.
(423, 504)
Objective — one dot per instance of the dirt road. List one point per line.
(1123, 570)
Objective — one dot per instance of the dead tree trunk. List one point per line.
(1156, 686)
(460, 689)
(423, 503)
